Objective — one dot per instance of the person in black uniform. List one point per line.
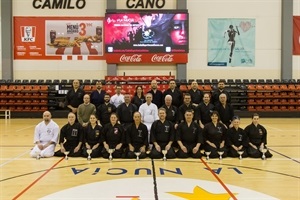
(214, 134)
(137, 137)
(125, 111)
(236, 139)
(205, 110)
(71, 137)
(97, 96)
(187, 105)
(138, 98)
(156, 94)
(220, 90)
(104, 110)
(162, 135)
(175, 93)
(225, 111)
(189, 137)
(92, 138)
(196, 94)
(113, 137)
(257, 135)
(171, 111)
(74, 97)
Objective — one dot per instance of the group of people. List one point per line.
(183, 125)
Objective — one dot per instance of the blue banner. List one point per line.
(231, 42)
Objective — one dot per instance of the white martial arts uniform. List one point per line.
(149, 114)
(45, 133)
(117, 99)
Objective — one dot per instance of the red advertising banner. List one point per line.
(296, 35)
(58, 38)
(147, 58)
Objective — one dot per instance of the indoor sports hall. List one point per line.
(51, 47)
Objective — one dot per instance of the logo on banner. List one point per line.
(163, 58)
(28, 33)
(133, 58)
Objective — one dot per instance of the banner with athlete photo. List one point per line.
(231, 42)
(58, 38)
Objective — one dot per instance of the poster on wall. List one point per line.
(231, 42)
(58, 38)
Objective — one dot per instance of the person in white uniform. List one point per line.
(45, 137)
(118, 98)
(149, 114)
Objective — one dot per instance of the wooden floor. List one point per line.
(22, 177)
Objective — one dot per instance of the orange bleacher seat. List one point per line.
(291, 108)
(283, 87)
(291, 87)
(259, 87)
(275, 94)
(27, 88)
(292, 94)
(44, 108)
(259, 94)
(183, 88)
(251, 87)
(251, 101)
(18, 88)
(251, 108)
(200, 87)
(251, 94)
(297, 87)
(207, 88)
(283, 108)
(268, 108)
(43, 88)
(291, 101)
(275, 87)
(3, 88)
(259, 108)
(259, 101)
(275, 101)
(11, 88)
(267, 87)
(268, 101)
(275, 108)
(284, 94)
(87, 88)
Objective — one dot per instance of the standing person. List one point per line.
(104, 110)
(125, 111)
(97, 96)
(45, 137)
(225, 111)
(187, 105)
(157, 95)
(236, 139)
(189, 137)
(118, 98)
(137, 137)
(138, 98)
(92, 138)
(175, 93)
(113, 137)
(214, 134)
(220, 90)
(71, 137)
(257, 135)
(85, 110)
(74, 97)
(162, 136)
(149, 112)
(171, 111)
(196, 94)
(205, 109)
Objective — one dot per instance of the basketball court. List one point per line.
(22, 177)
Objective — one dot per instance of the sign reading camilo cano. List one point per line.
(145, 3)
(58, 4)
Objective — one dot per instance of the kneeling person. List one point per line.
(189, 137)
(162, 135)
(137, 137)
(70, 139)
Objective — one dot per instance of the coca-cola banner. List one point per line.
(147, 58)
(58, 38)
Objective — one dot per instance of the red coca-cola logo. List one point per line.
(133, 58)
(162, 58)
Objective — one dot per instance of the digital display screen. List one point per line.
(146, 32)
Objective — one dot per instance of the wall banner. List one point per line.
(58, 38)
(231, 42)
(296, 35)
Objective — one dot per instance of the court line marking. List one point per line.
(154, 180)
(24, 128)
(39, 178)
(285, 156)
(218, 179)
(15, 158)
(270, 127)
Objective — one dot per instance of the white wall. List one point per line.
(296, 59)
(267, 57)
